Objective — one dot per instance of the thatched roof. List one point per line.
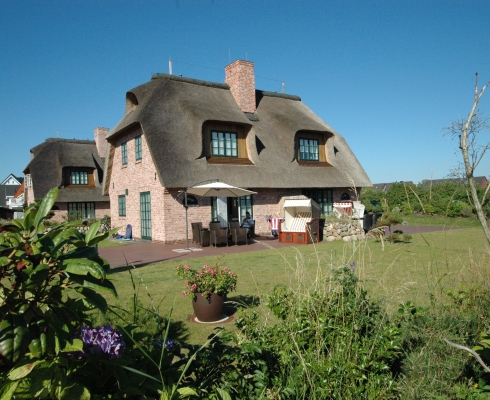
(48, 160)
(172, 110)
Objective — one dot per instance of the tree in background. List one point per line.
(468, 132)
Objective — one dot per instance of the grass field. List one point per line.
(427, 266)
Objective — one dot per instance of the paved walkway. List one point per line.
(142, 252)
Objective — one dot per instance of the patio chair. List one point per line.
(200, 235)
(218, 235)
(238, 234)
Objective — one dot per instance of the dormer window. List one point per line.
(224, 144)
(311, 148)
(308, 149)
(74, 177)
(79, 178)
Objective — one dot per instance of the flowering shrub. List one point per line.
(103, 339)
(207, 280)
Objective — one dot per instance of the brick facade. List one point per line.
(102, 208)
(167, 213)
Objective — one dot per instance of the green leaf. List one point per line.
(38, 276)
(76, 391)
(4, 261)
(80, 252)
(46, 206)
(102, 261)
(60, 238)
(15, 226)
(23, 370)
(186, 392)
(7, 391)
(99, 238)
(35, 348)
(92, 231)
(90, 282)
(82, 266)
(94, 298)
(140, 373)
(14, 337)
(76, 345)
(28, 220)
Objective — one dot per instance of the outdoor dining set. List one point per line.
(219, 235)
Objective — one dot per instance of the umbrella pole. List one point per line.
(186, 224)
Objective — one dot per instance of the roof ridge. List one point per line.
(191, 80)
(84, 141)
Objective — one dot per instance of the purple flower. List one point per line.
(103, 339)
(169, 344)
(353, 266)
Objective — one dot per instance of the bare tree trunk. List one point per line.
(469, 166)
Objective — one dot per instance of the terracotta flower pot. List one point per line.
(209, 308)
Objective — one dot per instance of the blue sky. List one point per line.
(387, 75)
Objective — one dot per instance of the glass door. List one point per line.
(145, 215)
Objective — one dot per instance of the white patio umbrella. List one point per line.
(216, 189)
(213, 189)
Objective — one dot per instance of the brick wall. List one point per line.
(136, 176)
(101, 208)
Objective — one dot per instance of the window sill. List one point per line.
(229, 160)
(124, 166)
(138, 161)
(314, 163)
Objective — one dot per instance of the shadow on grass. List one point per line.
(241, 301)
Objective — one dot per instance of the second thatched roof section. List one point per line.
(50, 157)
(172, 111)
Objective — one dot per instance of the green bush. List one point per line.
(51, 281)
(335, 342)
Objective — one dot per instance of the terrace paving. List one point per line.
(141, 252)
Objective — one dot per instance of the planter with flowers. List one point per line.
(208, 288)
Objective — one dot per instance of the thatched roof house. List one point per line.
(276, 146)
(76, 168)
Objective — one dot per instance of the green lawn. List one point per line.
(417, 219)
(429, 265)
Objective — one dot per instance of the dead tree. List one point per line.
(468, 132)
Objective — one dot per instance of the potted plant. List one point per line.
(208, 288)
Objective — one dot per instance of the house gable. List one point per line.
(11, 180)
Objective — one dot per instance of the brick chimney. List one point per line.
(241, 79)
(99, 137)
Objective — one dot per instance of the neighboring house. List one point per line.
(177, 132)
(479, 180)
(17, 200)
(76, 168)
(8, 188)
